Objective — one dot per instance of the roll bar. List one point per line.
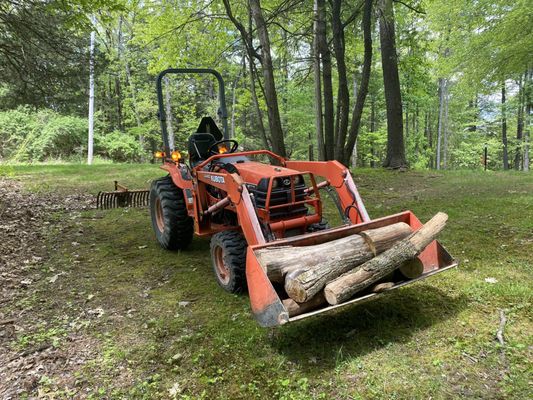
(222, 112)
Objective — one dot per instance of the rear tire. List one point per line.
(228, 256)
(172, 225)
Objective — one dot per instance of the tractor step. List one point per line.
(122, 197)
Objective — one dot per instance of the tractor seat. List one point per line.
(199, 144)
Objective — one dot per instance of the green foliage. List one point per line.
(474, 46)
(119, 146)
(38, 135)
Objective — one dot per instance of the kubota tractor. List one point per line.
(244, 203)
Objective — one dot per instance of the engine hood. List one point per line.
(252, 171)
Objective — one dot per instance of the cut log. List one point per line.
(310, 272)
(381, 239)
(412, 269)
(380, 287)
(279, 261)
(294, 308)
(344, 287)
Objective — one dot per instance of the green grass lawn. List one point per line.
(168, 330)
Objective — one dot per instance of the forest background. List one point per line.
(421, 84)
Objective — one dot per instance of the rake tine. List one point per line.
(122, 198)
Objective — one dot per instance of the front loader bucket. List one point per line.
(267, 303)
(122, 197)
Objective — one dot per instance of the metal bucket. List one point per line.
(266, 303)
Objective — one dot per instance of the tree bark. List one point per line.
(380, 287)
(389, 59)
(271, 97)
(347, 285)
(279, 261)
(504, 129)
(519, 126)
(442, 85)
(379, 240)
(355, 124)
(90, 141)
(330, 261)
(445, 128)
(168, 111)
(325, 55)
(294, 308)
(429, 135)
(529, 106)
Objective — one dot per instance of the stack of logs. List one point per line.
(335, 271)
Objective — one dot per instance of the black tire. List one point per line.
(228, 257)
(172, 225)
(319, 226)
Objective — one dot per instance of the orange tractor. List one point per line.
(244, 204)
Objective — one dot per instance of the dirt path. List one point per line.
(28, 355)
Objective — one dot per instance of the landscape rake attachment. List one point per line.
(122, 197)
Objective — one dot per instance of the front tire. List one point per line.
(171, 223)
(228, 256)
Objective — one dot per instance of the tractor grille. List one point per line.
(281, 195)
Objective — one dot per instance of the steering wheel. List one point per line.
(213, 149)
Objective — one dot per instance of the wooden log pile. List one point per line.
(335, 271)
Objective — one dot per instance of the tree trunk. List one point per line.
(372, 129)
(445, 127)
(312, 267)
(519, 126)
(271, 97)
(406, 121)
(90, 141)
(504, 130)
(251, 53)
(347, 285)
(529, 106)
(319, 120)
(168, 112)
(327, 82)
(391, 81)
(441, 114)
(233, 103)
(343, 97)
(429, 136)
(365, 79)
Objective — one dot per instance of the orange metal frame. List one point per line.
(197, 180)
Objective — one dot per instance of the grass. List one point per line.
(167, 330)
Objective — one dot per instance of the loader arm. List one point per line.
(339, 177)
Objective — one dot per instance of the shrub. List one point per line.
(26, 134)
(119, 146)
